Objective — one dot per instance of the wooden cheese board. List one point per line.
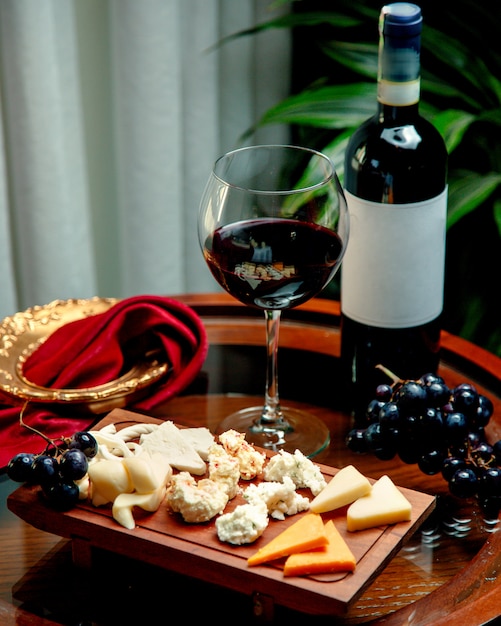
(164, 539)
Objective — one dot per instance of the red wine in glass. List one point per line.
(273, 227)
(273, 264)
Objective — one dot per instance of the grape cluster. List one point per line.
(57, 468)
(440, 429)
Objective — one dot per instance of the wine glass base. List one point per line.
(300, 430)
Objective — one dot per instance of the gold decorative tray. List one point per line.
(22, 333)
(164, 540)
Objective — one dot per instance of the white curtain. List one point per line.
(112, 113)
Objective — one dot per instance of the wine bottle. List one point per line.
(392, 281)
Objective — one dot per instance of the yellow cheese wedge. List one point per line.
(344, 488)
(385, 504)
(305, 534)
(336, 556)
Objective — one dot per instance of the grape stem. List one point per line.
(396, 379)
(50, 442)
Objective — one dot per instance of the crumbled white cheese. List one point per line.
(302, 471)
(224, 469)
(244, 524)
(251, 461)
(196, 501)
(281, 498)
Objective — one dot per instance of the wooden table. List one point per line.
(448, 572)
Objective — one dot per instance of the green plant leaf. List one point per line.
(335, 151)
(339, 106)
(432, 84)
(458, 57)
(491, 117)
(361, 58)
(497, 214)
(467, 191)
(452, 125)
(293, 20)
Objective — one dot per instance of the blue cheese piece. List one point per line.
(303, 472)
(197, 502)
(244, 524)
(281, 498)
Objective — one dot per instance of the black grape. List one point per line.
(63, 496)
(439, 428)
(73, 464)
(355, 440)
(57, 468)
(450, 465)
(463, 483)
(19, 468)
(45, 469)
(86, 442)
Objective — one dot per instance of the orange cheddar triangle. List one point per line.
(336, 556)
(305, 534)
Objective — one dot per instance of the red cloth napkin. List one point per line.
(99, 349)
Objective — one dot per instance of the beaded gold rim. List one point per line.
(21, 334)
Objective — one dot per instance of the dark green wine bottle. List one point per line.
(392, 280)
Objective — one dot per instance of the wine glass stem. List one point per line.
(272, 413)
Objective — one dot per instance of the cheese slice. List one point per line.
(178, 451)
(305, 534)
(125, 502)
(336, 556)
(147, 472)
(109, 478)
(385, 504)
(344, 488)
(200, 438)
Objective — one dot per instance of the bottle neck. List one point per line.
(397, 115)
(398, 85)
(399, 82)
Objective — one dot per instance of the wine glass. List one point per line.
(273, 226)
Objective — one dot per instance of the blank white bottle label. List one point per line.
(392, 274)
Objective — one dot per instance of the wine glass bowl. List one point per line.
(273, 226)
